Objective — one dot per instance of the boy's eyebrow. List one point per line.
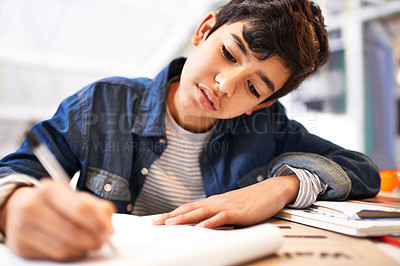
(264, 78)
(240, 44)
(267, 81)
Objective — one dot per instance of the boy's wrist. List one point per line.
(289, 186)
(3, 209)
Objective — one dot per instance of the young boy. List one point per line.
(207, 134)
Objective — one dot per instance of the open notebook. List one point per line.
(140, 243)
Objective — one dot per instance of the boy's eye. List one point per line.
(227, 54)
(252, 89)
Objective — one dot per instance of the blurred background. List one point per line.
(49, 49)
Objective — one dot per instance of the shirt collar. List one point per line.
(150, 116)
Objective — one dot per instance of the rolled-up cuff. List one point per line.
(339, 184)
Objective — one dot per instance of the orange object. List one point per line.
(398, 177)
(390, 240)
(397, 190)
(389, 180)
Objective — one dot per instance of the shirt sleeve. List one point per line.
(310, 186)
(348, 174)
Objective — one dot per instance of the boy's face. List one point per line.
(222, 78)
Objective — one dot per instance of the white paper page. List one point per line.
(140, 243)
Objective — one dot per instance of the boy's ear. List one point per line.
(260, 106)
(204, 27)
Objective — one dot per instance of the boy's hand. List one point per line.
(245, 206)
(53, 222)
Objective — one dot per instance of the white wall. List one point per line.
(51, 48)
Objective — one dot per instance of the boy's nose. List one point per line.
(228, 82)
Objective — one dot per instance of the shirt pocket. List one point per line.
(107, 185)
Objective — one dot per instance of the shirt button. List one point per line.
(129, 207)
(260, 178)
(107, 187)
(144, 171)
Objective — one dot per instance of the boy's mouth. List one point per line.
(206, 98)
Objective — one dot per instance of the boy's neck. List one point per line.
(186, 121)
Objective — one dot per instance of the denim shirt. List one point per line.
(114, 129)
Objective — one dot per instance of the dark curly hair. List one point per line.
(293, 30)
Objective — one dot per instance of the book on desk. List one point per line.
(355, 218)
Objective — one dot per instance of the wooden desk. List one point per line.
(305, 245)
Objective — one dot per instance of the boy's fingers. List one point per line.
(63, 230)
(159, 220)
(205, 217)
(91, 214)
(27, 247)
(31, 242)
(220, 219)
(185, 208)
(41, 246)
(103, 209)
(194, 216)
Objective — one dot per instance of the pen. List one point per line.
(52, 166)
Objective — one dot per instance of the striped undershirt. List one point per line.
(175, 177)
